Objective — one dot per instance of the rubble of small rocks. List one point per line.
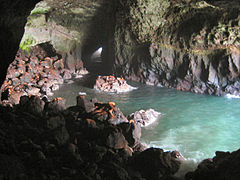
(36, 73)
(41, 139)
(145, 118)
(112, 84)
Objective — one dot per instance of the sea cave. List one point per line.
(99, 89)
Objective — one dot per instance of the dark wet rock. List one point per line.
(154, 163)
(132, 132)
(59, 143)
(115, 138)
(11, 167)
(114, 170)
(56, 106)
(32, 104)
(224, 165)
(55, 122)
(58, 136)
(82, 102)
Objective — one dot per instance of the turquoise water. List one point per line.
(196, 125)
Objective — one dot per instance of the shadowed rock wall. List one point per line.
(188, 45)
(13, 14)
(75, 28)
(191, 46)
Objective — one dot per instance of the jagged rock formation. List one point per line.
(13, 19)
(188, 45)
(75, 28)
(112, 84)
(37, 73)
(44, 140)
(224, 165)
(191, 46)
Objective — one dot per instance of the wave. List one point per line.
(230, 96)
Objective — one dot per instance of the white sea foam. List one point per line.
(230, 96)
(82, 93)
(187, 165)
(122, 90)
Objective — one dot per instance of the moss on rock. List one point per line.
(27, 43)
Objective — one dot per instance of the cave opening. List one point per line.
(60, 45)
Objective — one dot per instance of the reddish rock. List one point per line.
(58, 64)
(112, 84)
(67, 74)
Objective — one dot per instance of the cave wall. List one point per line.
(188, 45)
(192, 46)
(75, 28)
(13, 16)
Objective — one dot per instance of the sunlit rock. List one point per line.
(112, 84)
(145, 118)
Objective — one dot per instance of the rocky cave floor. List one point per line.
(42, 139)
(37, 72)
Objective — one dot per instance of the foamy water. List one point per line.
(196, 125)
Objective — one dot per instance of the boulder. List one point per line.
(132, 132)
(56, 106)
(108, 112)
(87, 105)
(11, 167)
(145, 118)
(112, 84)
(54, 122)
(32, 104)
(154, 163)
(224, 165)
(115, 138)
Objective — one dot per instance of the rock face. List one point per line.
(41, 139)
(157, 165)
(75, 28)
(13, 19)
(224, 165)
(190, 46)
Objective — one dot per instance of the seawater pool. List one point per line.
(196, 125)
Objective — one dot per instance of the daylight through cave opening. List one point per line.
(59, 45)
